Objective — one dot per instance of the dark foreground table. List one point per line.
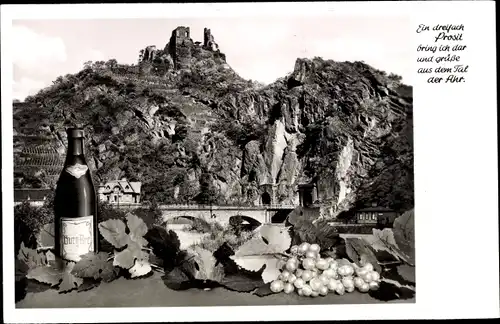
(153, 292)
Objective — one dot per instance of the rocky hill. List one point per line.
(184, 123)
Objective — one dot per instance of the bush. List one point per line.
(28, 220)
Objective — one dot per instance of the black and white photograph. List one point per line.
(215, 161)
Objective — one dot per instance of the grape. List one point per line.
(289, 288)
(345, 270)
(285, 274)
(348, 282)
(322, 264)
(375, 276)
(294, 249)
(361, 272)
(307, 290)
(299, 272)
(308, 263)
(334, 265)
(349, 289)
(329, 260)
(374, 285)
(307, 275)
(364, 287)
(299, 283)
(358, 282)
(332, 285)
(303, 248)
(315, 272)
(314, 248)
(314, 293)
(315, 284)
(340, 289)
(292, 278)
(324, 279)
(330, 273)
(368, 267)
(291, 265)
(367, 277)
(277, 286)
(300, 292)
(311, 255)
(323, 291)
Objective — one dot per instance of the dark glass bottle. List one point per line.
(75, 203)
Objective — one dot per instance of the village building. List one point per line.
(375, 215)
(35, 196)
(120, 192)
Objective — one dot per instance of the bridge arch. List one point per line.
(244, 222)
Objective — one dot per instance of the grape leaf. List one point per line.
(113, 230)
(407, 272)
(357, 250)
(165, 245)
(276, 236)
(96, 266)
(138, 229)
(140, 268)
(270, 240)
(31, 257)
(126, 259)
(390, 291)
(242, 282)
(45, 237)
(45, 274)
(88, 283)
(205, 265)
(69, 281)
(404, 234)
(177, 280)
(21, 269)
(384, 240)
(264, 290)
(270, 264)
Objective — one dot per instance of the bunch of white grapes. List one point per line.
(311, 275)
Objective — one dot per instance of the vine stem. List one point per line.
(157, 268)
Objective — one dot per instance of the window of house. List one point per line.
(177, 33)
(374, 216)
(360, 216)
(116, 198)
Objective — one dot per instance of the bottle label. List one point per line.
(77, 237)
(77, 170)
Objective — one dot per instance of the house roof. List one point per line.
(124, 185)
(31, 194)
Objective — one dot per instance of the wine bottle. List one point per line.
(75, 203)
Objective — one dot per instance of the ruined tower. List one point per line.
(209, 41)
(179, 47)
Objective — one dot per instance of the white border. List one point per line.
(455, 170)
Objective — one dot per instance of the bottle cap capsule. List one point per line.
(75, 132)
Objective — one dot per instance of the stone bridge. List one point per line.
(222, 214)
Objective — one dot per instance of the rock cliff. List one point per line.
(182, 114)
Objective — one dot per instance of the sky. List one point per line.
(262, 49)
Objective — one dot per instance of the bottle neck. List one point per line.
(75, 147)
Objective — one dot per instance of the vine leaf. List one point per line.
(126, 259)
(113, 230)
(138, 229)
(205, 267)
(140, 268)
(31, 257)
(270, 264)
(45, 274)
(45, 237)
(96, 266)
(69, 281)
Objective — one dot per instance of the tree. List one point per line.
(111, 64)
(88, 65)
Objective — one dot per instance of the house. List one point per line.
(120, 191)
(36, 197)
(375, 215)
